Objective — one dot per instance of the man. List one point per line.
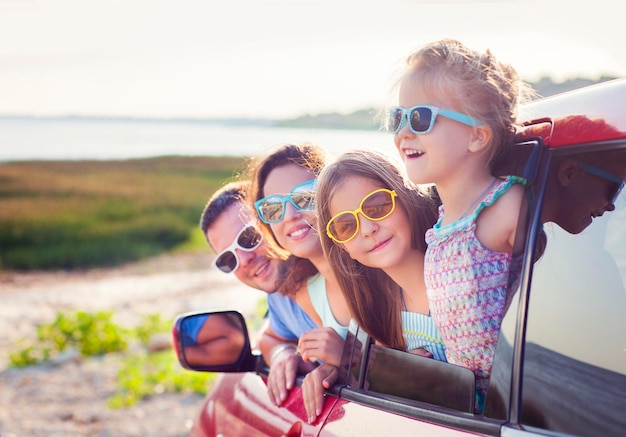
(229, 229)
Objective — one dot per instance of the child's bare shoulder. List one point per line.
(511, 197)
(497, 223)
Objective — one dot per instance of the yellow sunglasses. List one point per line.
(377, 205)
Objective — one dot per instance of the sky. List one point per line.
(273, 59)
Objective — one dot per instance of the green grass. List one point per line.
(144, 375)
(195, 242)
(83, 214)
(141, 373)
(89, 333)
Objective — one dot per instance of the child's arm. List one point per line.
(496, 224)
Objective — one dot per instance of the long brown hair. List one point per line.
(308, 156)
(373, 297)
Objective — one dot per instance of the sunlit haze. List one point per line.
(272, 59)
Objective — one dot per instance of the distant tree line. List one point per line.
(366, 119)
(546, 87)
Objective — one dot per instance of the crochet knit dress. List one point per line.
(467, 290)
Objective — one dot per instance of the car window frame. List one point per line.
(504, 391)
(517, 392)
(508, 367)
(351, 388)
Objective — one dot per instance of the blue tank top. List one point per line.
(420, 331)
(319, 299)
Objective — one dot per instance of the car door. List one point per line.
(563, 342)
(574, 367)
(387, 392)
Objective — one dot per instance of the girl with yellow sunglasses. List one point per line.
(372, 222)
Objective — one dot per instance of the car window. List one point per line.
(383, 370)
(354, 358)
(574, 376)
(419, 378)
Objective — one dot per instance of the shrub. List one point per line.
(141, 374)
(89, 333)
(144, 375)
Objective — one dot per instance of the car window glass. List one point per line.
(354, 354)
(578, 289)
(410, 376)
(383, 370)
(574, 377)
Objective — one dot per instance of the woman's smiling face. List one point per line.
(296, 232)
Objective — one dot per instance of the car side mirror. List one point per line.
(213, 342)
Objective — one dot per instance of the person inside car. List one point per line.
(283, 195)
(584, 186)
(579, 187)
(372, 222)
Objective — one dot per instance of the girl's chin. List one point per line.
(367, 263)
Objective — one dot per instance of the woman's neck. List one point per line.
(323, 267)
(321, 264)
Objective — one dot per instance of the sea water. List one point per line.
(104, 139)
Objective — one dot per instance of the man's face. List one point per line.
(586, 194)
(255, 269)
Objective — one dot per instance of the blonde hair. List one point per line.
(373, 297)
(480, 85)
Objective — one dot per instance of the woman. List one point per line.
(283, 195)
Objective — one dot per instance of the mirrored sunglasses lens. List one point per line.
(304, 200)
(343, 227)
(271, 210)
(249, 238)
(394, 119)
(378, 205)
(227, 262)
(420, 119)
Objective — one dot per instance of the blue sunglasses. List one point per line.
(422, 118)
(606, 176)
(271, 209)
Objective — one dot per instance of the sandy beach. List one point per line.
(69, 398)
